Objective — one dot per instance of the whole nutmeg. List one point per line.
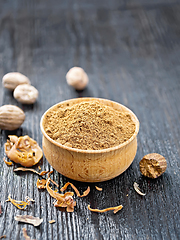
(25, 93)
(11, 117)
(77, 78)
(13, 79)
(153, 165)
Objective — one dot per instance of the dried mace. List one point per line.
(153, 165)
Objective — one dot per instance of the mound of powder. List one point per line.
(89, 126)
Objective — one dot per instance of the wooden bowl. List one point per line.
(90, 165)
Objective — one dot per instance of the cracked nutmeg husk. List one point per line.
(153, 165)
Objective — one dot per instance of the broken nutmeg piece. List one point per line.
(153, 165)
(23, 150)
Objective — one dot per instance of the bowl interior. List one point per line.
(71, 102)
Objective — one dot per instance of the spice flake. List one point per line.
(98, 188)
(57, 185)
(85, 193)
(62, 200)
(30, 170)
(36, 221)
(29, 199)
(43, 173)
(19, 204)
(116, 209)
(3, 236)
(52, 221)
(25, 234)
(41, 183)
(49, 174)
(137, 189)
(7, 162)
(26, 170)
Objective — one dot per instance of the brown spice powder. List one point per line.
(89, 126)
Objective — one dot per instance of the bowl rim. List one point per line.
(77, 150)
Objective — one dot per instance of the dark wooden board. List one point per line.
(130, 51)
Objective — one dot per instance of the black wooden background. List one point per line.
(131, 53)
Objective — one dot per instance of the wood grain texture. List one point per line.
(130, 51)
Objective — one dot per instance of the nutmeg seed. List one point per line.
(13, 79)
(11, 117)
(77, 78)
(153, 165)
(25, 93)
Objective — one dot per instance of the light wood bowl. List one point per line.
(90, 165)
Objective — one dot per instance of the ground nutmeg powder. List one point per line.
(88, 125)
